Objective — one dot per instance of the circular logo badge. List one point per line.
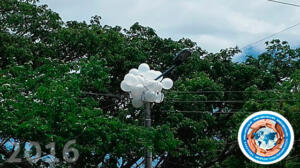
(266, 137)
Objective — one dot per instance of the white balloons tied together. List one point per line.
(141, 85)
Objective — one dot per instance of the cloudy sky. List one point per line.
(213, 24)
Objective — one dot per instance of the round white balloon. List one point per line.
(140, 79)
(125, 87)
(157, 74)
(147, 82)
(159, 87)
(150, 75)
(167, 83)
(158, 97)
(143, 68)
(134, 71)
(150, 96)
(162, 97)
(155, 86)
(137, 91)
(130, 79)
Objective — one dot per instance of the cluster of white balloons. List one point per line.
(141, 85)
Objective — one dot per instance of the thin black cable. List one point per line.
(204, 112)
(210, 112)
(225, 91)
(225, 101)
(285, 3)
(185, 92)
(265, 38)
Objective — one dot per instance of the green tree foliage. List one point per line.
(61, 81)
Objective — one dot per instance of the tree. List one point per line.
(60, 81)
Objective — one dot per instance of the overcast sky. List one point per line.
(213, 24)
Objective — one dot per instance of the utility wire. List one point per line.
(205, 112)
(186, 92)
(272, 35)
(224, 101)
(225, 91)
(209, 112)
(285, 3)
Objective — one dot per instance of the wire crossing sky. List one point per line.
(285, 3)
(272, 35)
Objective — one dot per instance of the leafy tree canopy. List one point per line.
(61, 81)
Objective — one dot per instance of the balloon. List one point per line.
(137, 103)
(150, 96)
(144, 68)
(137, 91)
(140, 79)
(157, 74)
(147, 82)
(167, 83)
(150, 75)
(155, 86)
(131, 79)
(158, 97)
(125, 87)
(159, 87)
(134, 71)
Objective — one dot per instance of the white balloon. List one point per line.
(137, 103)
(147, 82)
(159, 86)
(158, 97)
(130, 79)
(137, 91)
(155, 86)
(143, 68)
(125, 87)
(162, 97)
(167, 83)
(134, 71)
(150, 75)
(140, 79)
(151, 85)
(157, 74)
(150, 96)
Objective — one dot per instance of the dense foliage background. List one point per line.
(60, 81)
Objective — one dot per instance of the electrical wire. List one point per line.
(204, 112)
(225, 101)
(210, 112)
(185, 92)
(225, 91)
(272, 35)
(285, 3)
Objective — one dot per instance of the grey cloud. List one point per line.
(213, 24)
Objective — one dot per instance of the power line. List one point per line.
(285, 3)
(272, 35)
(119, 96)
(206, 112)
(210, 112)
(226, 91)
(224, 101)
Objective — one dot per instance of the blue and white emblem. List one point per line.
(266, 137)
